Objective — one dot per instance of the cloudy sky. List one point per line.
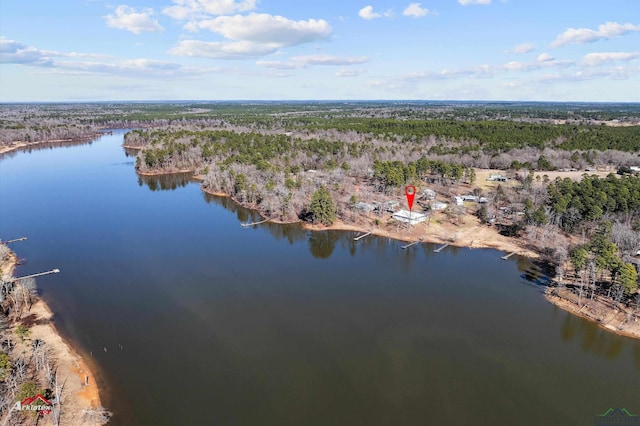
(560, 50)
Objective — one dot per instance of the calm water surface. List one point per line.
(205, 322)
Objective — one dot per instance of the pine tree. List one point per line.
(628, 278)
(322, 208)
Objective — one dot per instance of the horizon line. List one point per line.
(480, 101)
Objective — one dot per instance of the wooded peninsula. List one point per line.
(560, 182)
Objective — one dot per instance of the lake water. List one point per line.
(205, 322)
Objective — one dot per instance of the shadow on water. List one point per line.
(168, 182)
(594, 339)
(292, 232)
(535, 273)
(41, 146)
(322, 244)
(130, 152)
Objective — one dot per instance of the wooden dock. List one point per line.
(13, 241)
(439, 249)
(410, 244)
(53, 271)
(508, 256)
(246, 225)
(362, 236)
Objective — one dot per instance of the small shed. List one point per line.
(412, 218)
(390, 206)
(429, 194)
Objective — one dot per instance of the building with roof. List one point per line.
(412, 218)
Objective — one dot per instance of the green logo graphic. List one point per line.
(617, 417)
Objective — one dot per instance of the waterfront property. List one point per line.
(412, 218)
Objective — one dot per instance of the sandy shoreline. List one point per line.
(134, 148)
(609, 318)
(81, 388)
(471, 234)
(4, 149)
(15, 146)
(173, 172)
(80, 392)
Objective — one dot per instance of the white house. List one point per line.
(411, 218)
(474, 199)
(497, 178)
(458, 200)
(438, 205)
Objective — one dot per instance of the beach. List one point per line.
(79, 395)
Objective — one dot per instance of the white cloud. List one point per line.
(545, 57)
(368, 13)
(190, 9)
(587, 35)
(522, 48)
(468, 2)
(223, 50)
(349, 72)
(480, 71)
(278, 65)
(12, 52)
(589, 74)
(329, 60)
(544, 60)
(415, 10)
(520, 66)
(310, 60)
(268, 29)
(485, 71)
(126, 67)
(593, 59)
(141, 67)
(129, 19)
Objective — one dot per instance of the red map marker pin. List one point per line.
(410, 192)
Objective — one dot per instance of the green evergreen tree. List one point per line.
(482, 214)
(628, 278)
(322, 208)
(540, 216)
(578, 258)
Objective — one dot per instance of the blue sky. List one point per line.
(82, 50)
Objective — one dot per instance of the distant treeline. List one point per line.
(488, 136)
(462, 127)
